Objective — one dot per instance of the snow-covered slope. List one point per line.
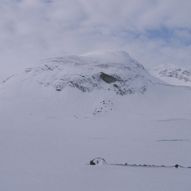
(48, 135)
(1, 78)
(175, 75)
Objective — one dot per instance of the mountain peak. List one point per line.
(108, 70)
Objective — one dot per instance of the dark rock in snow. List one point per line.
(97, 161)
(107, 78)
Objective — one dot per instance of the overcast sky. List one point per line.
(152, 31)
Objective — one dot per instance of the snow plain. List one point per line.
(48, 137)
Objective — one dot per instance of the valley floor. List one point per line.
(44, 146)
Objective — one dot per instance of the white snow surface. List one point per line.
(48, 137)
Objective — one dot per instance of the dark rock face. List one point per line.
(108, 78)
(97, 161)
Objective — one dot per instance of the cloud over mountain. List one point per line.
(154, 31)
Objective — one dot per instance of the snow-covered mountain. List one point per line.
(110, 71)
(173, 74)
(99, 74)
(58, 116)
